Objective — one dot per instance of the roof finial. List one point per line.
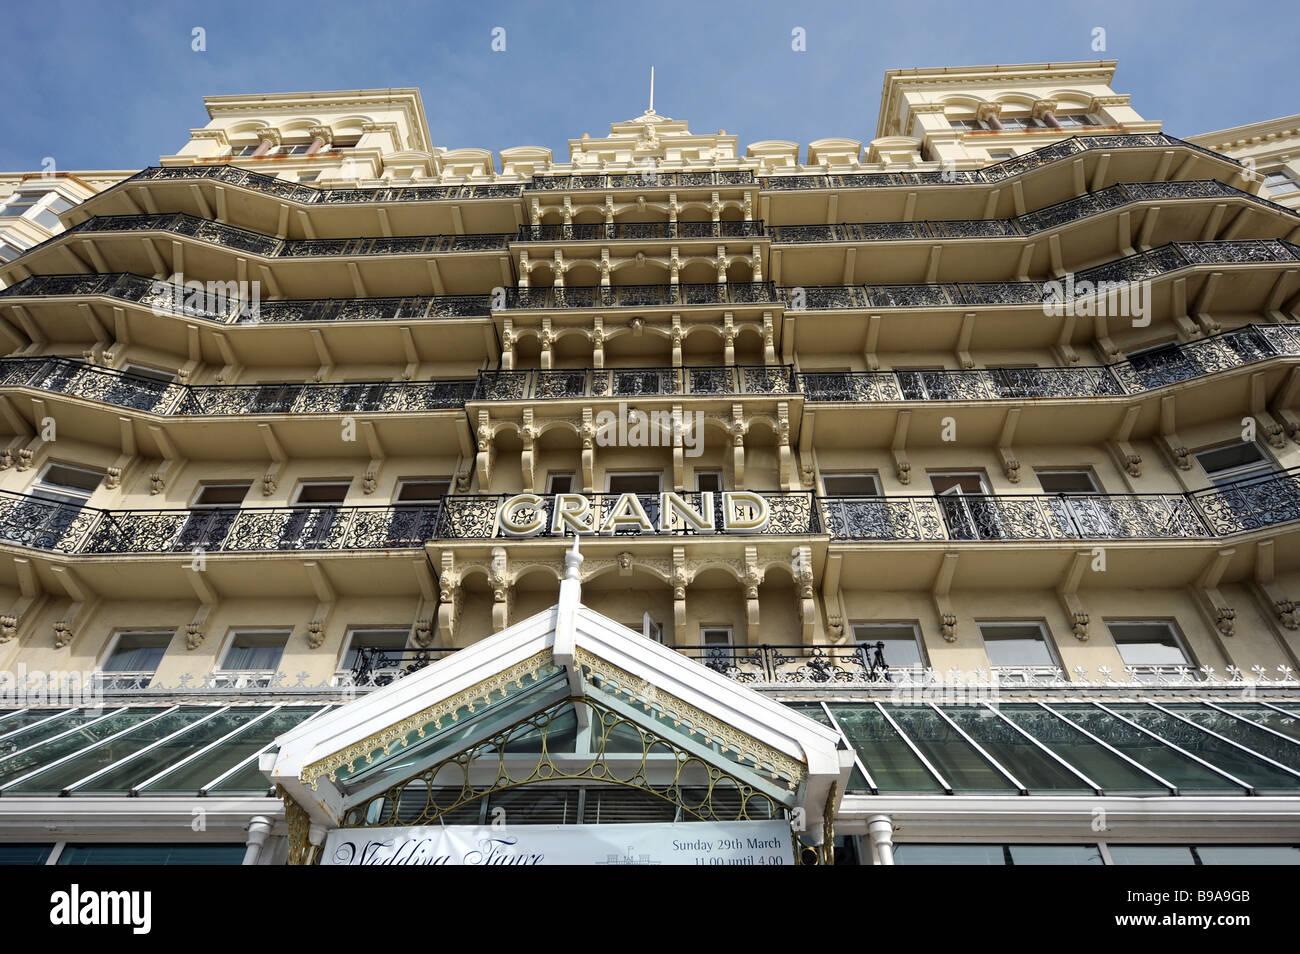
(652, 91)
(572, 560)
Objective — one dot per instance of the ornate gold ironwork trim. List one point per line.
(653, 699)
(397, 732)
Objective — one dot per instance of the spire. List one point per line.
(652, 92)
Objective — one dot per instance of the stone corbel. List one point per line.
(170, 466)
(753, 580)
(1278, 295)
(964, 359)
(279, 459)
(231, 369)
(451, 598)
(832, 598)
(502, 588)
(729, 339)
(769, 339)
(677, 336)
(1285, 400)
(1179, 454)
(1105, 344)
(1010, 466)
(680, 580)
(598, 342)
(1208, 598)
(195, 631)
(486, 455)
(939, 593)
(370, 480)
(1125, 454)
(872, 340)
(588, 433)
(1204, 301)
(426, 607)
(807, 456)
(1064, 349)
(84, 601)
(1068, 592)
(1266, 425)
(527, 454)
(326, 598)
(802, 566)
(547, 342)
(902, 467)
(785, 457)
(1270, 596)
(737, 428)
(31, 600)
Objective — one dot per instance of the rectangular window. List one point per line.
(559, 484)
(851, 485)
(258, 650)
(1067, 481)
(1235, 462)
(1016, 644)
(1001, 155)
(1281, 182)
(421, 490)
(295, 149)
(708, 480)
(153, 374)
(248, 150)
(903, 648)
(322, 493)
(1071, 120)
(309, 176)
(959, 482)
(137, 651)
(67, 484)
(967, 124)
(222, 495)
(389, 641)
(345, 142)
(19, 204)
(1148, 643)
(633, 483)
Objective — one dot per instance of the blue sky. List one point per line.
(109, 85)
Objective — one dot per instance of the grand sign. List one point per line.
(698, 843)
(526, 515)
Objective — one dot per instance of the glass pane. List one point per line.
(1141, 748)
(1249, 854)
(152, 854)
(20, 853)
(901, 647)
(1151, 855)
(125, 777)
(949, 855)
(250, 780)
(894, 766)
(1016, 645)
(1037, 770)
(1112, 773)
(1055, 854)
(857, 781)
(18, 720)
(192, 776)
(1253, 771)
(1243, 733)
(57, 777)
(90, 731)
(1147, 644)
(1282, 722)
(254, 651)
(955, 759)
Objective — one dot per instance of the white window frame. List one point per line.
(1025, 671)
(352, 633)
(1290, 185)
(1154, 669)
(709, 473)
(873, 476)
(247, 678)
(73, 496)
(866, 626)
(304, 484)
(1085, 471)
(657, 474)
(1267, 464)
(204, 485)
(116, 640)
(550, 481)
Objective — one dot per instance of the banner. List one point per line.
(692, 843)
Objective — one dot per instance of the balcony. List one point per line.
(998, 172)
(311, 195)
(377, 666)
(1062, 213)
(826, 666)
(1231, 349)
(633, 382)
(642, 296)
(121, 389)
(646, 179)
(640, 231)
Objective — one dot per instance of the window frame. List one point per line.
(404, 481)
(1054, 659)
(116, 640)
(1189, 659)
(856, 629)
(872, 475)
(65, 493)
(1087, 472)
(236, 633)
(353, 631)
(297, 500)
(657, 474)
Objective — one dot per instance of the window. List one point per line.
(222, 495)
(420, 490)
(708, 480)
(137, 651)
(1001, 155)
(49, 216)
(20, 203)
(967, 124)
(1016, 644)
(1070, 120)
(559, 483)
(247, 150)
(9, 252)
(65, 483)
(345, 142)
(959, 482)
(1235, 462)
(1143, 643)
(633, 483)
(1066, 481)
(322, 492)
(309, 176)
(903, 648)
(153, 374)
(295, 149)
(1012, 123)
(968, 511)
(851, 485)
(651, 628)
(390, 641)
(117, 853)
(255, 650)
(1282, 182)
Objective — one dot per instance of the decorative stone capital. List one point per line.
(948, 627)
(315, 634)
(62, 634)
(194, 636)
(8, 628)
(1286, 614)
(1225, 620)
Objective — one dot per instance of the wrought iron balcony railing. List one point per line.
(312, 195)
(1142, 266)
(122, 389)
(646, 179)
(998, 172)
(377, 666)
(244, 240)
(43, 524)
(1071, 210)
(638, 296)
(633, 382)
(1221, 352)
(863, 663)
(622, 231)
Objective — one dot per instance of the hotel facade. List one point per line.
(936, 498)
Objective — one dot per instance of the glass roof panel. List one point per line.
(23, 763)
(41, 730)
(895, 767)
(1249, 734)
(1036, 770)
(15, 719)
(1283, 722)
(967, 771)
